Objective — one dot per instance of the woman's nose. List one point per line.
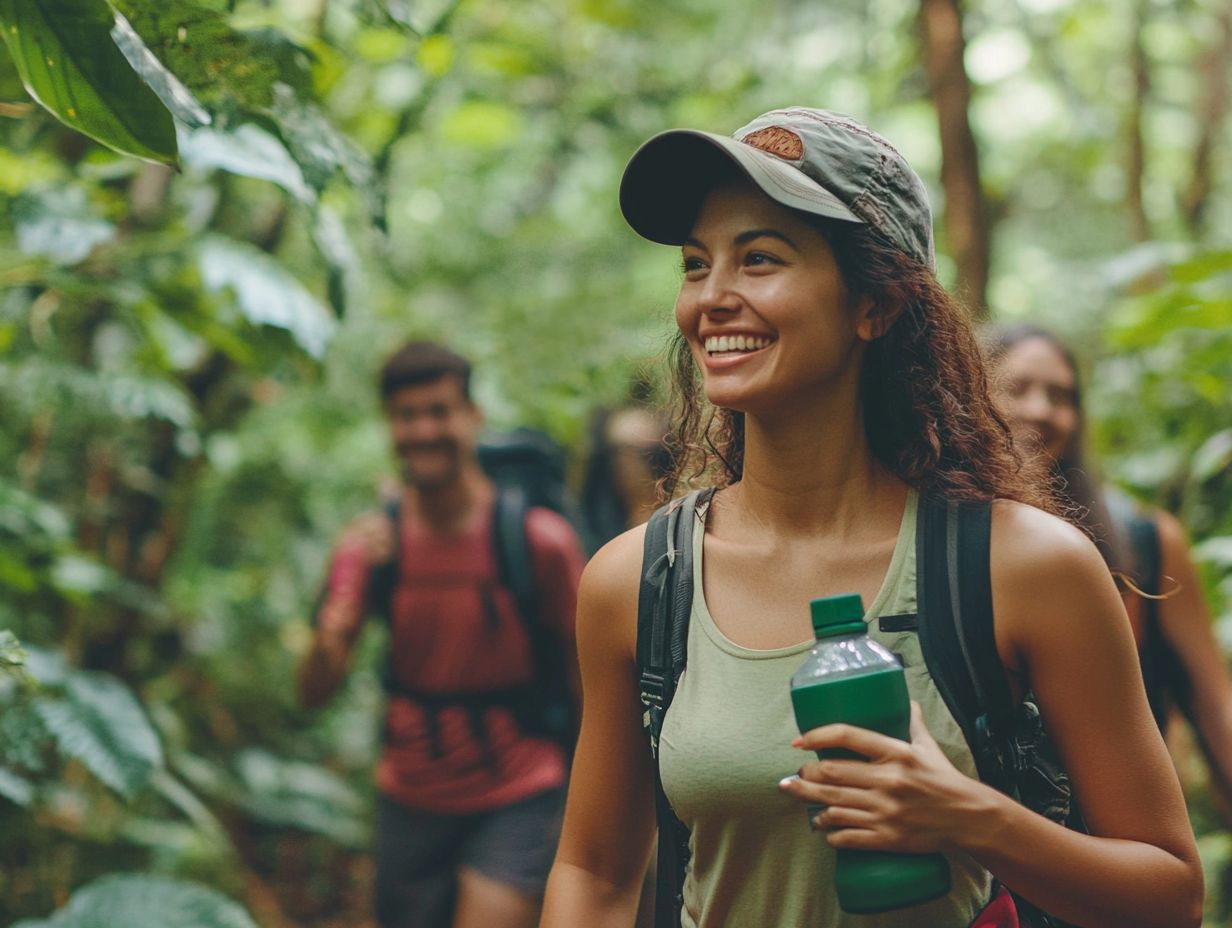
(1033, 406)
(717, 293)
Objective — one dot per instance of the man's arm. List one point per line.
(366, 542)
(558, 560)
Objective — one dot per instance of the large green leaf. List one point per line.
(318, 147)
(225, 69)
(178, 98)
(265, 292)
(100, 723)
(135, 901)
(68, 62)
(247, 150)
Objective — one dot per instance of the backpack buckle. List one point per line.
(1006, 754)
(653, 689)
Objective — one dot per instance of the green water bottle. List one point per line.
(850, 678)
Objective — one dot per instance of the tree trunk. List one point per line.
(966, 221)
(1135, 167)
(1215, 70)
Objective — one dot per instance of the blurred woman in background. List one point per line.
(627, 460)
(1035, 377)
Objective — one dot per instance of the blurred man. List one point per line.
(470, 792)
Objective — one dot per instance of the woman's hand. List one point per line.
(906, 797)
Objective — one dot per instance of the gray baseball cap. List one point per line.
(812, 160)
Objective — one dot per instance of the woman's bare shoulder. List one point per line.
(1030, 543)
(1045, 571)
(608, 594)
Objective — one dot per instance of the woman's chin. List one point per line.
(724, 397)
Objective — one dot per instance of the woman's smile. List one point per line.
(727, 349)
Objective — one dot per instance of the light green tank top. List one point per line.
(726, 743)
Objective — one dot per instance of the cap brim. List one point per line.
(669, 176)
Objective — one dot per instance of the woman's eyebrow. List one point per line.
(745, 237)
(751, 235)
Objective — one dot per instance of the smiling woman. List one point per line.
(843, 386)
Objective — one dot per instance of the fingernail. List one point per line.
(814, 811)
(787, 781)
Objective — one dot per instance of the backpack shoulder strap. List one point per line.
(385, 576)
(513, 555)
(1143, 534)
(665, 600)
(1163, 673)
(957, 634)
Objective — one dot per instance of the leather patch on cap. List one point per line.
(778, 141)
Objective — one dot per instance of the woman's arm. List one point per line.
(609, 816)
(1060, 623)
(1186, 624)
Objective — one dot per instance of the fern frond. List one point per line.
(101, 724)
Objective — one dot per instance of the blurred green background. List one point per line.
(187, 348)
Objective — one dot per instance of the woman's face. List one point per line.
(762, 304)
(635, 438)
(1035, 389)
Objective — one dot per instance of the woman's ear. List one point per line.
(874, 320)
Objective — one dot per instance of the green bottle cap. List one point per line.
(837, 615)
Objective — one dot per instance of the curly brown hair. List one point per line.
(927, 412)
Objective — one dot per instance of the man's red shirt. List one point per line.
(454, 628)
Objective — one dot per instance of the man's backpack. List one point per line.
(528, 470)
(954, 622)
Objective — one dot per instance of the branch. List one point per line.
(1135, 167)
(967, 226)
(1211, 116)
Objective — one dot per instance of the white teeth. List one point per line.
(717, 344)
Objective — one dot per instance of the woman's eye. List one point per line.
(689, 263)
(756, 258)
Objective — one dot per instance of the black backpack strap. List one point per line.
(968, 547)
(513, 555)
(546, 708)
(939, 642)
(665, 600)
(1163, 675)
(384, 576)
(957, 636)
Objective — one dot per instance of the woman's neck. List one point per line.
(814, 474)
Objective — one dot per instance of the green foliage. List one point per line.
(283, 792)
(191, 417)
(264, 292)
(12, 657)
(141, 901)
(100, 723)
(58, 224)
(89, 716)
(64, 53)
